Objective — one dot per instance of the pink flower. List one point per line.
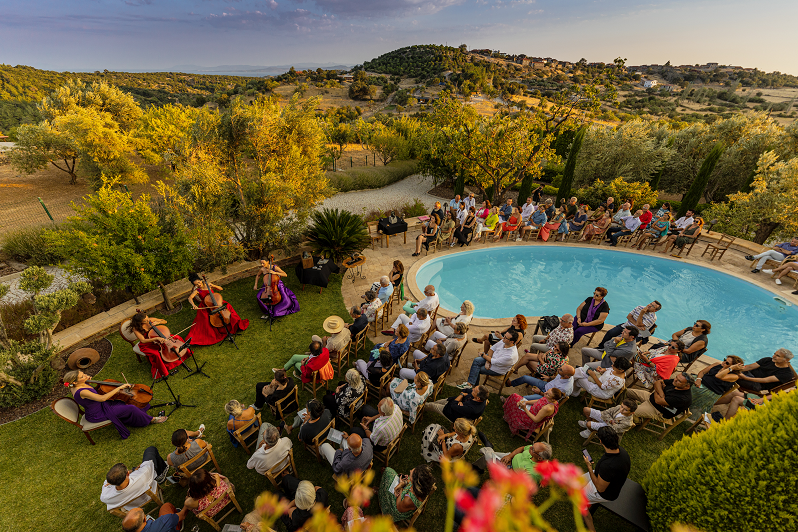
(546, 470)
(511, 480)
(569, 477)
(482, 515)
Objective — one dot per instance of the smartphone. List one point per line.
(587, 455)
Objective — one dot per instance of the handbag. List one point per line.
(327, 372)
(548, 323)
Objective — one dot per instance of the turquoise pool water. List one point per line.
(543, 280)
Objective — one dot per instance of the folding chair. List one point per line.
(379, 315)
(719, 248)
(339, 357)
(419, 415)
(456, 359)
(242, 434)
(439, 383)
(627, 239)
(358, 342)
(156, 497)
(392, 447)
(315, 383)
(409, 522)
(286, 405)
(320, 438)
(277, 471)
(216, 519)
(486, 233)
(384, 380)
(598, 238)
(502, 377)
(662, 428)
(611, 401)
(70, 411)
(593, 438)
(529, 234)
(542, 431)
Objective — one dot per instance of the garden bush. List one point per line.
(738, 475)
(336, 234)
(549, 190)
(26, 373)
(369, 177)
(406, 210)
(33, 245)
(618, 188)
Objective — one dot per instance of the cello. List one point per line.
(169, 346)
(218, 315)
(137, 395)
(271, 291)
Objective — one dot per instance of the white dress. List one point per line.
(440, 324)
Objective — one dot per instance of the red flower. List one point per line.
(482, 516)
(546, 470)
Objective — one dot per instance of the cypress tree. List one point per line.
(654, 183)
(459, 184)
(570, 165)
(526, 188)
(693, 196)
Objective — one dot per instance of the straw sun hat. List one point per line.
(333, 324)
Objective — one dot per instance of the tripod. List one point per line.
(198, 368)
(175, 402)
(270, 317)
(230, 335)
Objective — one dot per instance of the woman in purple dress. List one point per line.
(288, 302)
(100, 408)
(591, 314)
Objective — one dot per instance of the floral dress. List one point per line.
(519, 420)
(552, 363)
(388, 498)
(409, 400)
(432, 451)
(345, 398)
(203, 503)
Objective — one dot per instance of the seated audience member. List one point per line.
(371, 308)
(564, 332)
(555, 222)
(736, 402)
(271, 392)
(345, 394)
(359, 322)
(524, 458)
(386, 289)
(604, 482)
(527, 209)
(203, 489)
(694, 339)
(387, 424)
(545, 364)
(778, 253)
(563, 381)
(429, 303)
(619, 418)
(630, 225)
(508, 226)
(436, 443)
(482, 214)
(657, 363)
(598, 214)
(577, 223)
(451, 343)
(446, 230)
(311, 423)
(767, 373)
(534, 222)
(445, 326)
(656, 230)
(489, 224)
(437, 212)
(237, 417)
(643, 318)
(401, 495)
(339, 335)
(596, 227)
(683, 222)
(470, 200)
(470, 404)
(623, 346)
(551, 210)
(303, 496)
(646, 216)
(312, 361)
(355, 454)
(518, 325)
(413, 395)
(506, 210)
(783, 270)
(400, 342)
(591, 314)
(465, 228)
(669, 399)
(428, 236)
(720, 376)
(455, 203)
(272, 450)
(602, 382)
(497, 361)
(417, 325)
(128, 489)
(434, 365)
(169, 519)
(375, 369)
(397, 273)
(623, 212)
(522, 415)
(187, 446)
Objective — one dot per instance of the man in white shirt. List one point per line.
(470, 201)
(527, 209)
(128, 489)
(387, 424)
(497, 361)
(630, 225)
(272, 449)
(430, 301)
(564, 381)
(685, 221)
(339, 335)
(417, 325)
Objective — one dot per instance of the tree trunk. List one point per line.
(526, 188)
(764, 230)
(166, 300)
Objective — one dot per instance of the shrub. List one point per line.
(365, 177)
(740, 473)
(34, 246)
(550, 190)
(406, 210)
(26, 373)
(618, 188)
(336, 234)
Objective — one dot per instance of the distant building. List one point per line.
(649, 83)
(538, 64)
(711, 66)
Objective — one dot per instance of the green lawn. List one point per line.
(51, 476)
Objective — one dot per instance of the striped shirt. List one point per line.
(648, 320)
(386, 428)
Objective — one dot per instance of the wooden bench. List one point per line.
(629, 506)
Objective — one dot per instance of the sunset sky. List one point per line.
(160, 34)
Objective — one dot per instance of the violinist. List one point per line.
(150, 332)
(274, 297)
(101, 407)
(209, 329)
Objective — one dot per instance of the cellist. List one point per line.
(141, 325)
(202, 332)
(274, 298)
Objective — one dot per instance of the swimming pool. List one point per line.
(544, 280)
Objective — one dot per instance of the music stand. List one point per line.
(175, 402)
(198, 368)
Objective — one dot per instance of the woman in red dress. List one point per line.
(202, 332)
(523, 415)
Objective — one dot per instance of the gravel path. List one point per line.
(16, 295)
(401, 192)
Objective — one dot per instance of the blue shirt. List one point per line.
(539, 218)
(454, 204)
(506, 210)
(385, 293)
(165, 523)
(396, 349)
(789, 248)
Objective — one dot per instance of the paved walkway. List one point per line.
(395, 195)
(17, 295)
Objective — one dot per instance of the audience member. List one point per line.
(187, 445)
(429, 303)
(518, 324)
(446, 325)
(355, 454)
(623, 212)
(619, 418)
(272, 450)
(436, 443)
(591, 314)
(340, 335)
(413, 395)
(203, 489)
(387, 424)
(311, 423)
(312, 361)
(694, 339)
(669, 399)
(428, 235)
(782, 270)
(524, 458)
(657, 363)
(372, 307)
(683, 222)
(489, 223)
(564, 332)
(417, 325)
(359, 322)
(375, 369)
(303, 496)
(465, 228)
(237, 417)
(545, 365)
(169, 519)
(630, 225)
(564, 381)
(767, 372)
(778, 253)
(345, 394)
(643, 318)
(271, 392)
(596, 227)
(720, 376)
(506, 210)
(537, 220)
(470, 404)
(434, 365)
(401, 495)
(623, 346)
(127, 489)
(602, 382)
(684, 236)
(522, 415)
(604, 482)
(497, 361)
(400, 342)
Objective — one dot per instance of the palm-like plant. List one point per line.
(336, 234)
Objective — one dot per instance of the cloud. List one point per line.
(374, 8)
(138, 2)
(298, 20)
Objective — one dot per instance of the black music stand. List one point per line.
(197, 366)
(175, 402)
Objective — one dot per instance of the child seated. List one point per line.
(618, 418)
(187, 446)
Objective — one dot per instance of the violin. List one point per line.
(218, 314)
(272, 293)
(137, 395)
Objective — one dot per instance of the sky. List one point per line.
(71, 35)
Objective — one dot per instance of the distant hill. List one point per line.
(258, 70)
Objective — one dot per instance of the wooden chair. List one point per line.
(700, 421)
(216, 519)
(439, 383)
(407, 523)
(593, 438)
(156, 497)
(689, 247)
(718, 248)
(625, 240)
(543, 431)
(245, 432)
(70, 411)
(479, 419)
(340, 357)
(502, 377)
(488, 232)
(598, 238)
(384, 380)
(379, 316)
(662, 428)
(684, 366)
(277, 471)
(286, 405)
(374, 234)
(392, 447)
(456, 359)
(358, 342)
(529, 234)
(131, 338)
(201, 459)
(354, 406)
(320, 438)
(612, 401)
(315, 383)
(575, 235)
(419, 414)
